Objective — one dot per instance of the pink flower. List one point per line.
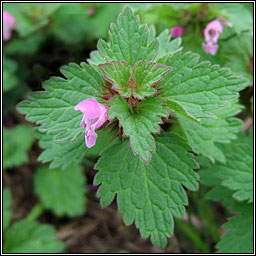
(8, 25)
(211, 35)
(95, 115)
(210, 48)
(91, 10)
(212, 31)
(177, 31)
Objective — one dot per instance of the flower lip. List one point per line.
(90, 138)
(89, 108)
(210, 48)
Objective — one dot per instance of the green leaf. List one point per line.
(30, 17)
(72, 17)
(54, 108)
(129, 41)
(31, 237)
(7, 211)
(25, 46)
(118, 73)
(167, 46)
(203, 137)
(139, 124)
(17, 142)
(212, 178)
(239, 65)
(137, 81)
(74, 151)
(198, 87)
(148, 194)
(104, 140)
(96, 58)
(146, 76)
(239, 238)
(239, 14)
(10, 79)
(62, 191)
(107, 12)
(237, 173)
(239, 50)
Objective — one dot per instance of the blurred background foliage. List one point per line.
(38, 201)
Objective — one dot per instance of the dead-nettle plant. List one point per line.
(137, 83)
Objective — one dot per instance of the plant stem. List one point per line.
(35, 212)
(192, 234)
(206, 213)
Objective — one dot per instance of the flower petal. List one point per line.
(212, 31)
(210, 48)
(9, 24)
(103, 117)
(89, 107)
(90, 138)
(177, 31)
(94, 115)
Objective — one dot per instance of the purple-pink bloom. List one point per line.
(91, 10)
(211, 35)
(9, 24)
(210, 48)
(95, 115)
(177, 31)
(212, 31)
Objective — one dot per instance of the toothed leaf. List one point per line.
(140, 124)
(74, 151)
(128, 41)
(203, 137)
(53, 108)
(198, 88)
(149, 194)
(118, 74)
(145, 76)
(167, 46)
(239, 237)
(237, 173)
(137, 81)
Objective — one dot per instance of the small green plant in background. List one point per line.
(27, 236)
(149, 109)
(68, 187)
(231, 184)
(17, 142)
